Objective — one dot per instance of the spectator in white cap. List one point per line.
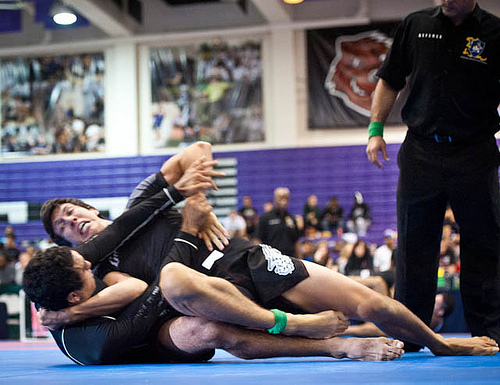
(382, 258)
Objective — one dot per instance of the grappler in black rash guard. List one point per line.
(318, 289)
(141, 255)
(149, 329)
(132, 312)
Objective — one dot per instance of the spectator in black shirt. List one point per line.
(312, 214)
(333, 216)
(451, 56)
(250, 215)
(10, 248)
(278, 228)
(360, 261)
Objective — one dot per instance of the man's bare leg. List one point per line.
(325, 289)
(366, 329)
(196, 294)
(195, 335)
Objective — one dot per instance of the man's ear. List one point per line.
(95, 211)
(74, 297)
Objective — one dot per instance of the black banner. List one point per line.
(342, 65)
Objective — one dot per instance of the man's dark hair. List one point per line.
(50, 276)
(46, 216)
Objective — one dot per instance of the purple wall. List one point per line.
(324, 171)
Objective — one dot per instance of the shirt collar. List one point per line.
(475, 14)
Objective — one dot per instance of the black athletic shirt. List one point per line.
(137, 241)
(128, 336)
(454, 73)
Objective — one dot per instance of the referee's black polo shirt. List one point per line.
(454, 73)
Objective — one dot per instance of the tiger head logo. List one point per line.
(352, 72)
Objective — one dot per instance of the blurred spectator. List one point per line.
(46, 243)
(333, 216)
(382, 258)
(278, 228)
(344, 247)
(8, 230)
(359, 219)
(443, 306)
(62, 143)
(316, 252)
(20, 265)
(451, 231)
(312, 214)
(447, 259)
(268, 206)
(10, 250)
(250, 215)
(7, 271)
(235, 224)
(360, 261)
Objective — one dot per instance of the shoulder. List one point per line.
(490, 23)
(423, 14)
(417, 18)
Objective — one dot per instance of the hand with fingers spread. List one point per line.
(198, 177)
(376, 144)
(213, 233)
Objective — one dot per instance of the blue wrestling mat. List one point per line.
(42, 363)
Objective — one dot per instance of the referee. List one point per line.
(450, 56)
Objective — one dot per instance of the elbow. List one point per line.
(205, 147)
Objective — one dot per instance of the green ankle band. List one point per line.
(279, 322)
(375, 129)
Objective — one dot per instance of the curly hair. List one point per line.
(46, 216)
(50, 277)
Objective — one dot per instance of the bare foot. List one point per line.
(325, 324)
(475, 346)
(371, 349)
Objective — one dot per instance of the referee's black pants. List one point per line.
(465, 175)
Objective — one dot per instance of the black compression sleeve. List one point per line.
(147, 188)
(126, 225)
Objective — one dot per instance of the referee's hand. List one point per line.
(376, 144)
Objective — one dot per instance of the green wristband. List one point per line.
(375, 129)
(279, 322)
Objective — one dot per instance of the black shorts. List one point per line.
(260, 272)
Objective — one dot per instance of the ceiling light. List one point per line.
(62, 15)
(293, 1)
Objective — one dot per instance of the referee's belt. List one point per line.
(442, 138)
(452, 140)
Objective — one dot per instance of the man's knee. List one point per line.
(177, 281)
(198, 332)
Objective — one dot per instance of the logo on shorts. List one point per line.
(473, 50)
(277, 262)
